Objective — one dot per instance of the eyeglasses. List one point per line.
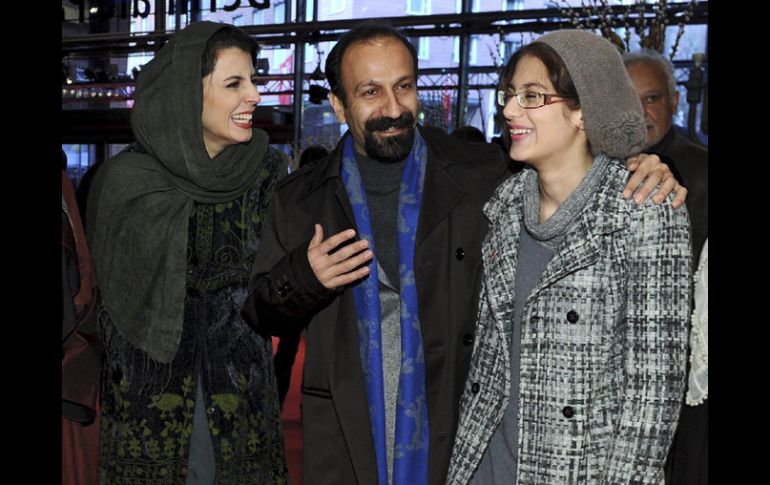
(530, 99)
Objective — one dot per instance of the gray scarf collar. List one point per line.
(551, 232)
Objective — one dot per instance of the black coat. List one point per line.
(687, 461)
(460, 178)
(692, 163)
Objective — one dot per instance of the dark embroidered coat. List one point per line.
(148, 407)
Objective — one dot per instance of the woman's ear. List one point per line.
(576, 119)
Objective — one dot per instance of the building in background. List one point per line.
(438, 56)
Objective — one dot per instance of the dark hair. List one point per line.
(225, 38)
(312, 154)
(557, 74)
(366, 31)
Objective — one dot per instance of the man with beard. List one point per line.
(386, 357)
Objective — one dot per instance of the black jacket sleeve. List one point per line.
(283, 290)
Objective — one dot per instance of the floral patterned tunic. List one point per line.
(148, 407)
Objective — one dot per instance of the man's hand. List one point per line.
(650, 170)
(338, 269)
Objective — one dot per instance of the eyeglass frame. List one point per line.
(547, 98)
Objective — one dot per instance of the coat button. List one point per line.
(285, 289)
(568, 412)
(460, 254)
(572, 316)
(211, 410)
(468, 339)
(475, 388)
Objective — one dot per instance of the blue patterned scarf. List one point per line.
(410, 464)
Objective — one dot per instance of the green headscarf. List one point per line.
(140, 204)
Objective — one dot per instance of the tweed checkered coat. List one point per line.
(603, 342)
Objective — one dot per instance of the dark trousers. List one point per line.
(202, 466)
(688, 459)
(284, 361)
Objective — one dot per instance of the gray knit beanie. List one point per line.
(612, 113)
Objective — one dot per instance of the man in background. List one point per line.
(653, 78)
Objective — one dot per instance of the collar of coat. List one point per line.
(605, 213)
(447, 184)
(443, 151)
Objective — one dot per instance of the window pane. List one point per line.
(336, 6)
(364, 9)
(79, 158)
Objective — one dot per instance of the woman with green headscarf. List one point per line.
(174, 224)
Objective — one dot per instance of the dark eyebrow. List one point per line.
(526, 86)
(238, 77)
(405, 78)
(370, 82)
(374, 83)
(235, 77)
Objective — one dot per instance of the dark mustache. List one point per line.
(406, 120)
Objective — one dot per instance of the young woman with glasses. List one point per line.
(578, 364)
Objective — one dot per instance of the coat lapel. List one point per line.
(607, 212)
(500, 257)
(331, 175)
(349, 390)
(346, 379)
(441, 193)
(342, 198)
(499, 250)
(579, 249)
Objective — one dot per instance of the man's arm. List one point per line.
(289, 285)
(282, 289)
(648, 172)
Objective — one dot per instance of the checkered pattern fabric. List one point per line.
(603, 342)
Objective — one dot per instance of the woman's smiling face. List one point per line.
(229, 98)
(544, 134)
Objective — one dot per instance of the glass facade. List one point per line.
(438, 57)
